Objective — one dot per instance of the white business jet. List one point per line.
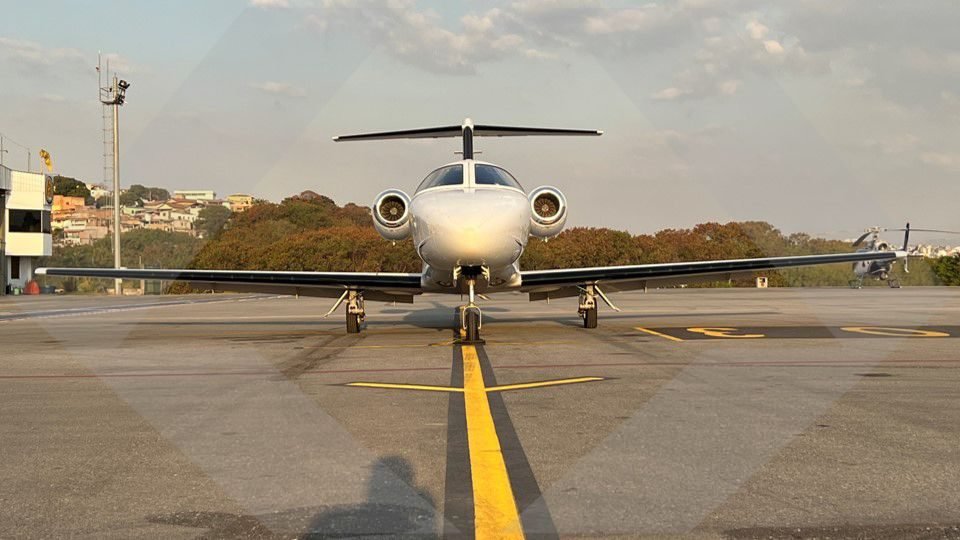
(470, 221)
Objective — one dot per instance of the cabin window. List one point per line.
(444, 176)
(495, 176)
(29, 221)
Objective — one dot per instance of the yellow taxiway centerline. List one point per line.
(495, 510)
(541, 384)
(658, 334)
(398, 386)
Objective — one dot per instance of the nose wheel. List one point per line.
(471, 324)
(470, 317)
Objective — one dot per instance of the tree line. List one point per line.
(313, 233)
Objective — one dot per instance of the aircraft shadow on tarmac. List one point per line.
(379, 516)
(437, 318)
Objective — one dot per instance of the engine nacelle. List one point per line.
(548, 209)
(391, 214)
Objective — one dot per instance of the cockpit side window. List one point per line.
(444, 176)
(494, 176)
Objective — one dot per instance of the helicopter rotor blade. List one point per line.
(861, 239)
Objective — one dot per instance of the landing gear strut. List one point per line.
(588, 306)
(355, 311)
(470, 316)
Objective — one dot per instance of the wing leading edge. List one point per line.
(376, 286)
(621, 278)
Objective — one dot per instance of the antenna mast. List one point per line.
(105, 95)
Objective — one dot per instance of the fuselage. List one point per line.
(467, 215)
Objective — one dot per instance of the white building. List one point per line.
(195, 194)
(25, 232)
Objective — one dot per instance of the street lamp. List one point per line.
(116, 97)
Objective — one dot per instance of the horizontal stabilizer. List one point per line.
(468, 131)
(421, 133)
(481, 130)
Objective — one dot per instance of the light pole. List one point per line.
(116, 98)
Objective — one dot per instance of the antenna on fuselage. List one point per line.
(467, 131)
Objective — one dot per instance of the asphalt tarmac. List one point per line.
(798, 413)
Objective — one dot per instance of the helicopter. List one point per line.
(882, 270)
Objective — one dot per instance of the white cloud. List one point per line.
(757, 30)
(671, 93)
(773, 46)
(32, 53)
(420, 38)
(729, 88)
(949, 162)
(280, 89)
(267, 4)
(627, 20)
(121, 65)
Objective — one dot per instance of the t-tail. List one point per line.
(468, 130)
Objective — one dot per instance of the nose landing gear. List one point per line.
(470, 316)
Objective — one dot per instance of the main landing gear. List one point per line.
(588, 306)
(354, 308)
(355, 311)
(589, 293)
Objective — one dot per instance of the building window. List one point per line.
(14, 267)
(29, 221)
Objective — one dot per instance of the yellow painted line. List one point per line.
(397, 386)
(658, 334)
(494, 507)
(541, 384)
(723, 332)
(896, 332)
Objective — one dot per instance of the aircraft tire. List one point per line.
(353, 323)
(473, 326)
(590, 318)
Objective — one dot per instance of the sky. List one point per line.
(821, 116)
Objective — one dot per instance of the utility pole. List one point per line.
(116, 95)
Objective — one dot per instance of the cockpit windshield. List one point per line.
(495, 176)
(445, 176)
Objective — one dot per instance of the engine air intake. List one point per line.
(392, 208)
(546, 205)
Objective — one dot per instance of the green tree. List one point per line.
(212, 219)
(948, 270)
(139, 193)
(71, 187)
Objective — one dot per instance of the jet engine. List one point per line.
(391, 214)
(548, 211)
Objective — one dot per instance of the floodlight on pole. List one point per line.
(116, 97)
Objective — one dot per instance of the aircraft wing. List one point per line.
(387, 287)
(542, 284)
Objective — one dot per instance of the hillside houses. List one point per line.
(81, 224)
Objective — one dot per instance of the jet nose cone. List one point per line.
(479, 228)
